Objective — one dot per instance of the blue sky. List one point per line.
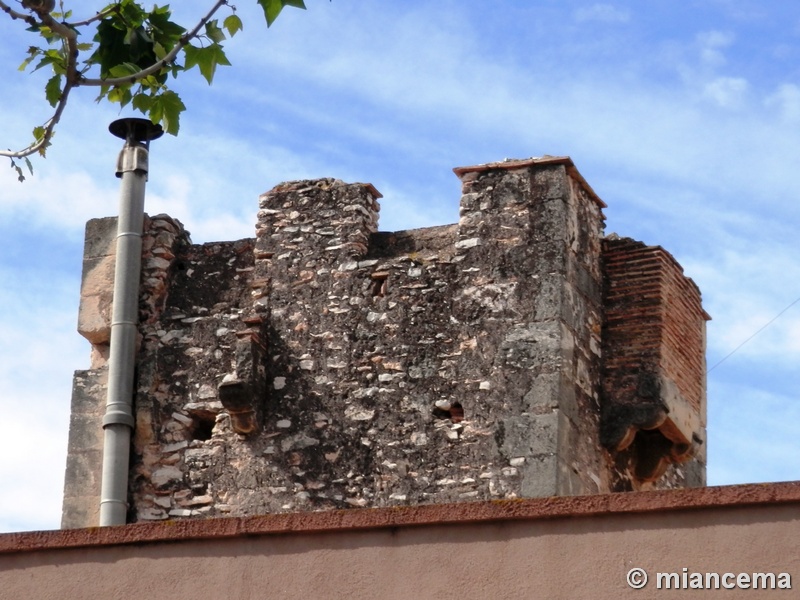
(684, 117)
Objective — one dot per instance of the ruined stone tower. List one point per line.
(324, 364)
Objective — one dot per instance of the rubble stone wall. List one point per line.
(324, 364)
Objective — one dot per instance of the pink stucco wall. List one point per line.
(579, 547)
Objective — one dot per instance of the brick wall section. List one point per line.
(684, 344)
(654, 354)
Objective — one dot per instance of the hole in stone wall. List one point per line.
(380, 282)
(444, 409)
(651, 451)
(202, 428)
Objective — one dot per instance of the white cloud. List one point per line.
(39, 349)
(702, 73)
(786, 99)
(711, 45)
(56, 198)
(33, 468)
(727, 92)
(745, 288)
(401, 211)
(397, 94)
(602, 13)
(752, 436)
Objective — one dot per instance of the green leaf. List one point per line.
(130, 13)
(164, 30)
(159, 51)
(55, 58)
(127, 96)
(206, 59)
(150, 82)
(123, 36)
(214, 33)
(233, 24)
(166, 109)
(52, 91)
(192, 54)
(38, 134)
(33, 52)
(142, 102)
(47, 33)
(18, 169)
(20, 174)
(121, 94)
(124, 70)
(139, 43)
(272, 8)
(103, 93)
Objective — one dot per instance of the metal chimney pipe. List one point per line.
(118, 422)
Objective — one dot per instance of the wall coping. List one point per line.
(722, 497)
(511, 164)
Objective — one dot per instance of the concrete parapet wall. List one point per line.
(575, 547)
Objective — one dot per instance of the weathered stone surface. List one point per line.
(325, 364)
(81, 503)
(97, 282)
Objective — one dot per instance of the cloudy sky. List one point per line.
(683, 116)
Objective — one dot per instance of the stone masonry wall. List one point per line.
(325, 364)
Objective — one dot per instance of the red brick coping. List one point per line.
(735, 496)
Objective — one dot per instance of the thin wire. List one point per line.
(770, 322)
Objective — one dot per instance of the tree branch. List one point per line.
(96, 17)
(73, 76)
(17, 15)
(70, 38)
(156, 67)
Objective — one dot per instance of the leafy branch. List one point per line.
(133, 54)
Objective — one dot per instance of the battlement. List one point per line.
(324, 364)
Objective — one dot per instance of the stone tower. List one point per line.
(325, 364)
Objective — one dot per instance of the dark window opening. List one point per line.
(203, 428)
(380, 282)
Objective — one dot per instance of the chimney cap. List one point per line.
(136, 130)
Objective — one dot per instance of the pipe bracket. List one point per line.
(132, 158)
(118, 417)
